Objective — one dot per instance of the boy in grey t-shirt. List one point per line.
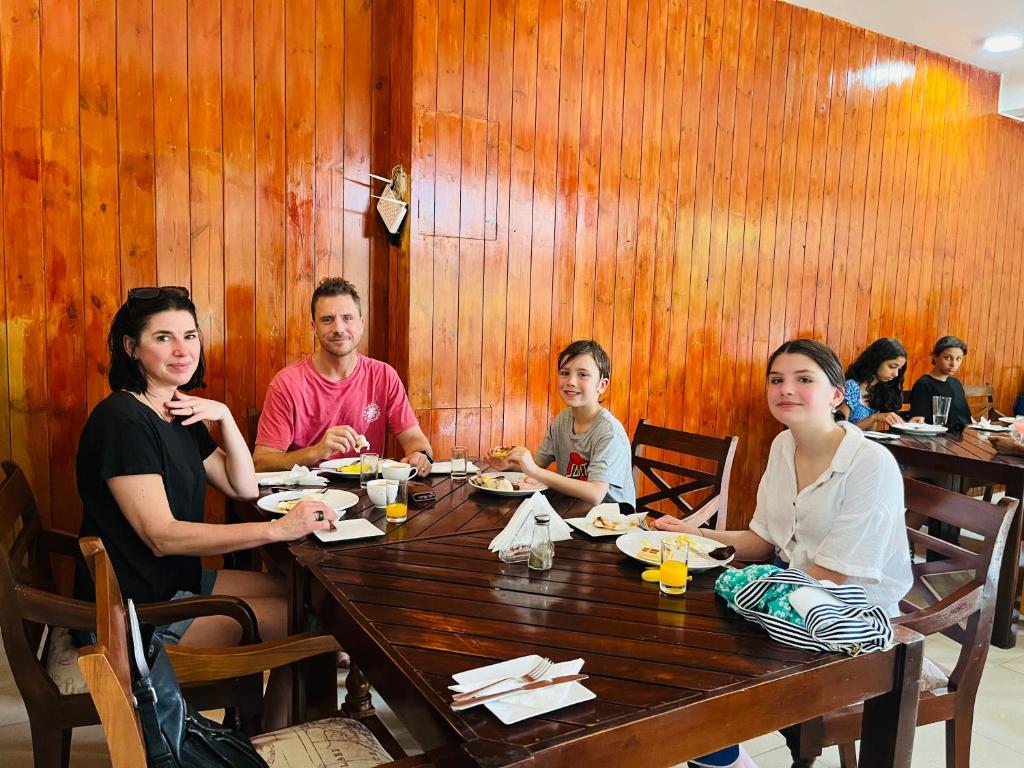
(588, 444)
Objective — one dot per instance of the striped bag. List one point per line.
(851, 626)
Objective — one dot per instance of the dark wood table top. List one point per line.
(674, 677)
(971, 455)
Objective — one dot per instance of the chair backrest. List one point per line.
(966, 614)
(981, 399)
(105, 666)
(682, 453)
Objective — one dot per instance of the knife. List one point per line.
(458, 706)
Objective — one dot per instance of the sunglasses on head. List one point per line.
(151, 292)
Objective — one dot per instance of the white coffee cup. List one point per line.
(381, 492)
(398, 471)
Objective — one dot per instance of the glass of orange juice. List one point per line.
(398, 501)
(675, 572)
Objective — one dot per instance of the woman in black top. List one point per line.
(144, 459)
(947, 356)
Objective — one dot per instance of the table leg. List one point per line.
(1004, 624)
(357, 694)
(887, 728)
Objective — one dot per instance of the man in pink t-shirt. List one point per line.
(317, 407)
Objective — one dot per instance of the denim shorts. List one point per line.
(173, 632)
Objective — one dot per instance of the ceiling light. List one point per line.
(1002, 43)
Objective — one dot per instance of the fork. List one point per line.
(535, 674)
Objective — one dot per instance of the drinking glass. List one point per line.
(369, 463)
(675, 571)
(398, 510)
(940, 409)
(460, 463)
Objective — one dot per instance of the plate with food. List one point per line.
(607, 520)
(282, 502)
(645, 546)
(349, 467)
(919, 428)
(506, 483)
(1011, 419)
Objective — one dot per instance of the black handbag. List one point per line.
(175, 735)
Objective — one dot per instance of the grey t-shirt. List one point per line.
(601, 453)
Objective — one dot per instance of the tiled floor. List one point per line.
(998, 724)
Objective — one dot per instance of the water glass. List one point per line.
(369, 463)
(398, 501)
(940, 409)
(460, 463)
(675, 570)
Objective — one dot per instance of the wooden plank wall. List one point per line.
(691, 182)
(223, 146)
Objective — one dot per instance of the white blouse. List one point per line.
(849, 520)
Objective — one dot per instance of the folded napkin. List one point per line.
(519, 530)
(297, 475)
(612, 514)
(880, 435)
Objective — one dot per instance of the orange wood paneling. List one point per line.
(691, 183)
(688, 181)
(221, 146)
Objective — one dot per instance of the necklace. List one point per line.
(149, 401)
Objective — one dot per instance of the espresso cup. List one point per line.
(398, 471)
(381, 492)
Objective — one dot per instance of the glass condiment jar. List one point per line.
(542, 549)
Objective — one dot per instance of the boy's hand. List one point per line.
(523, 458)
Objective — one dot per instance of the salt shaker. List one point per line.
(542, 550)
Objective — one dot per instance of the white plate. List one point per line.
(919, 428)
(347, 530)
(529, 704)
(582, 524)
(336, 499)
(989, 427)
(338, 463)
(445, 468)
(631, 543)
(1010, 419)
(512, 477)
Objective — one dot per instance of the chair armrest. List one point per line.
(952, 609)
(994, 413)
(203, 605)
(205, 664)
(56, 610)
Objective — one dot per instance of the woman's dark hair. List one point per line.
(820, 353)
(946, 342)
(131, 320)
(587, 347)
(883, 396)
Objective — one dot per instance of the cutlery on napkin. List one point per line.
(538, 502)
(297, 475)
(880, 435)
(484, 698)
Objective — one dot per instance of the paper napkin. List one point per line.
(560, 530)
(297, 475)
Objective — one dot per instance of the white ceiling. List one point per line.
(952, 27)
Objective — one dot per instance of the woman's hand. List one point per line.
(669, 523)
(304, 518)
(195, 409)
(888, 418)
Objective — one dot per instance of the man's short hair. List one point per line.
(587, 347)
(334, 286)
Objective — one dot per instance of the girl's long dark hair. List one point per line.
(883, 396)
(131, 320)
(821, 354)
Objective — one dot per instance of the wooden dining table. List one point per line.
(674, 677)
(970, 455)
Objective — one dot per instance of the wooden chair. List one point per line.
(33, 614)
(686, 445)
(965, 615)
(982, 402)
(106, 669)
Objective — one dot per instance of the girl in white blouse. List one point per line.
(830, 502)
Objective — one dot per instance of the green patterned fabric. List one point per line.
(776, 599)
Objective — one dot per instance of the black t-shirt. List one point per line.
(927, 387)
(124, 437)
